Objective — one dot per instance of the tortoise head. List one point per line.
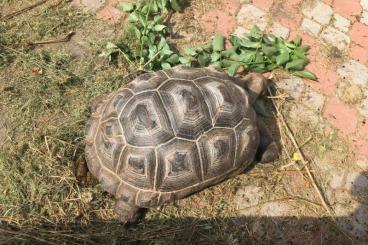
(256, 84)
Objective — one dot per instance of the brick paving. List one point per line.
(337, 30)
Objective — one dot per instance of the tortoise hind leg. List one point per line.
(268, 150)
(128, 213)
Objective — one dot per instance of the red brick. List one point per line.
(110, 12)
(221, 20)
(327, 79)
(360, 54)
(359, 34)
(263, 4)
(341, 116)
(350, 9)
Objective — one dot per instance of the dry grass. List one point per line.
(45, 101)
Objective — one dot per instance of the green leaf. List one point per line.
(298, 64)
(215, 56)
(159, 27)
(162, 44)
(297, 40)
(269, 39)
(305, 74)
(232, 69)
(127, 7)
(260, 108)
(203, 59)
(175, 5)
(185, 61)
(249, 44)
(165, 65)
(190, 51)
(218, 43)
(289, 44)
(282, 58)
(142, 20)
(299, 52)
(208, 47)
(269, 50)
(133, 17)
(216, 64)
(154, 7)
(255, 32)
(227, 53)
(137, 32)
(227, 63)
(245, 57)
(305, 48)
(235, 41)
(258, 68)
(145, 9)
(298, 55)
(173, 59)
(158, 19)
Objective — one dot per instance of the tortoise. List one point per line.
(171, 133)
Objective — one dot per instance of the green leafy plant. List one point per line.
(146, 24)
(255, 51)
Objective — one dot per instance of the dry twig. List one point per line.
(66, 38)
(303, 159)
(18, 12)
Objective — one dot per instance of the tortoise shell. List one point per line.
(171, 133)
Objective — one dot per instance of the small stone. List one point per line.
(363, 107)
(294, 86)
(357, 72)
(364, 4)
(311, 27)
(319, 12)
(335, 38)
(313, 100)
(240, 31)
(279, 30)
(364, 17)
(250, 15)
(341, 23)
(350, 93)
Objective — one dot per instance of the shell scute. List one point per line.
(188, 112)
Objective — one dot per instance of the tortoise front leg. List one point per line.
(268, 150)
(128, 213)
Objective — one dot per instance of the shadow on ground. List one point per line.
(189, 230)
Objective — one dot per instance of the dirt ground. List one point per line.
(45, 94)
